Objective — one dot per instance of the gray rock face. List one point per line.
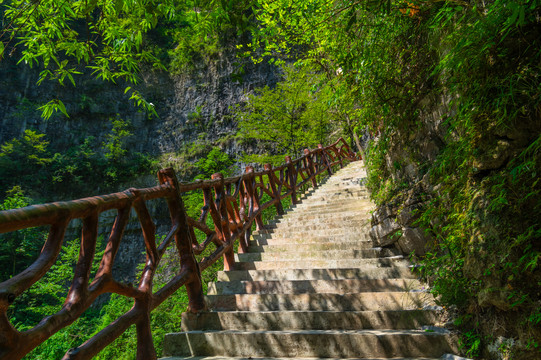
(383, 233)
(394, 225)
(189, 106)
(409, 214)
(413, 240)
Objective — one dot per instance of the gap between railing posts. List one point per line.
(235, 204)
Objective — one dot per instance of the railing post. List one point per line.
(311, 167)
(244, 238)
(252, 195)
(292, 179)
(272, 183)
(183, 240)
(229, 256)
(340, 157)
(325, 159)
(145, 344)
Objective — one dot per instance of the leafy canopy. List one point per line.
(111, 39)
(290, 117)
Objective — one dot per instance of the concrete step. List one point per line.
(334, 235)
(320, 246)
(340, 191)
(332, 207)
(307, 217)
(366, 272)
(338, 232)
(316, 201)
(344, 286)
(327, 222)
(321, 302)
(281, 358)
(308, 343)
(322, 228)
(337, 196)
(309, 255)
(320, 264)
(304, 320)
(268, 239)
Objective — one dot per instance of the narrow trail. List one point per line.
(313, 286)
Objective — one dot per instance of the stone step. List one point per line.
(334, 235)
(321, 302)
(321, 246)
(320, 264)
(340, 191)
(319, 231)
(336, 196)
(366, 272)
(306, 217)
(345, 286)
(360, 228)
(309, 255)
(316, 201)
(281, 358)
(322, 222)
(332, 207)
(268, 239)
(304, 320)
(314, 225)
(308, 343)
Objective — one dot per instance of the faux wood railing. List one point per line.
(234, 204)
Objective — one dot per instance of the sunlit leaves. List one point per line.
(64, 37)
(52, 107)
(291, 116)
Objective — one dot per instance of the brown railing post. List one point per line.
(229, 256)
(292, 179)
(325, 159)
(276, 195)
(244, 238)
(340, 158)
(183, 240)
(252, 196)
(311, 167)
(145, 345)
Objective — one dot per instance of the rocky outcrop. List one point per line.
(394, 225)
(190, 106)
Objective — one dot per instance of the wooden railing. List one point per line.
(234, 204)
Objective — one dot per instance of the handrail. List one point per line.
(234, 204)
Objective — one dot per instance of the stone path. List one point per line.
(313, 286)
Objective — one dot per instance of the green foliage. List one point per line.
(19, 248)
(80, 170)
(122, 164)
(203, 29)
(77, 166)
(113, 39)
(215, 161)
(290, 117)
(274, 160)
(24, 161)
(115, 144)
(470, 343)
(47, 295)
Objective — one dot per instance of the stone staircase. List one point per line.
(313, 286)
